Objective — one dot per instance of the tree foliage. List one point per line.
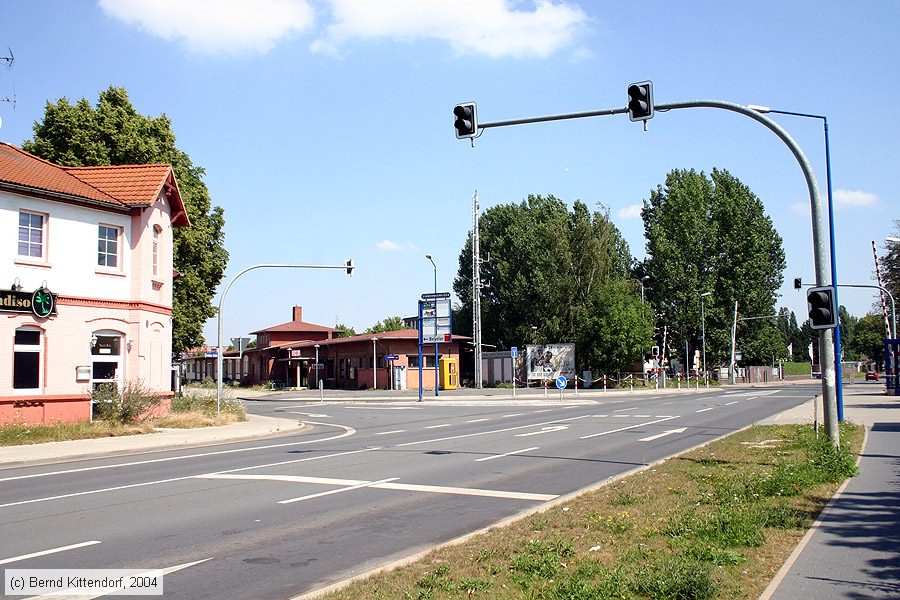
(868, 338)
(555, 275)
(891, 265)
(114, 133)
(711, 234)
(388, 324)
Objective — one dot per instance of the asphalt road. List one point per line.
(364, 484)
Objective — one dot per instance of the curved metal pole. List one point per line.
(219, 357)
(826, 336)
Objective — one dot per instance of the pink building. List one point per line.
(85, 282)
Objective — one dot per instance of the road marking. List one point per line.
(111, 591)
(477, 420)
(512, 415)
(543, 411)
(506, 454)
(388, 484)
(600, 416)
(384, 407)
(6, 561)
(390, 432)
(550, 429)
(593, 435)
(439, 426)
(465, 435)
(146, 483)
(705, 409)
(348, 431)
(624, 409)
(730, 403)
(663, 434)
(339, 490)
(621, 416)
(308, 414)
(641, 416)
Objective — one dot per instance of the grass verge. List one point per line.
(716, 522)
(197, 410)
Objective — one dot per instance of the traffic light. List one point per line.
(823, 313)
(640, 101)
(349, 265)
(466, 122)
(798, 283)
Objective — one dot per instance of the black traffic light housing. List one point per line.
(640, 101)
(348, 264)
(466, 123)
(823, 313)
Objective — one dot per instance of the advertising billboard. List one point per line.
(549, 361)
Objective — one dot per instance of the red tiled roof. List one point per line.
(295, 326)
(119, 185)
(130, 184)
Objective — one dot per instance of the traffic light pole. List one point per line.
(826, 336)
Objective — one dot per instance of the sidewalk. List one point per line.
(853, 550)
(254, 427)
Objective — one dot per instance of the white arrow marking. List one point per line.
(544, 430)
(663, 434)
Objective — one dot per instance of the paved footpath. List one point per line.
(853, 550)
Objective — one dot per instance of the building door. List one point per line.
(106, 359)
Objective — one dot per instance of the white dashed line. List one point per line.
(705, 409)
(506, 454)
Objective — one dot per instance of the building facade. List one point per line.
(85, 283)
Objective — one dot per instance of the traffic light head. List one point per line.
(823, 313)
(640, 101)
(798, 283)
(349, 266)
(466, 123)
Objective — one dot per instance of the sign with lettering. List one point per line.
(41, 302)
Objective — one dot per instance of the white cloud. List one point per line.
(390, 246)
(491, 27)
(631, 212)
(854, 198)
(801, 208)
(216, 26)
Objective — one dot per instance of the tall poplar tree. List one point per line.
(114, 133)
(711, 234)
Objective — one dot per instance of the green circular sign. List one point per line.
(42, 303)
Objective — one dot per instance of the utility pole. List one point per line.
(476, 290)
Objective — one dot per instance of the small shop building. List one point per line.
(298, 354)
(85, 284)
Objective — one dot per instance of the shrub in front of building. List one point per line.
(132, 404)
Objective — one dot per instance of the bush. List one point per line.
(205, 402)
(132, 405)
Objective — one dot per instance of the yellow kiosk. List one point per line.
(449, 372)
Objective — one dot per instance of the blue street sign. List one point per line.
(391, 357)
(514, 352)
(562, 382)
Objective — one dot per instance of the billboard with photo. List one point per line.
(549, 361)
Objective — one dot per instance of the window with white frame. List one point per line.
(106, 358)
(108, 246)
(31, 234)
(157, 230)
(27, 355)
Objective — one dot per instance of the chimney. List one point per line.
(298, 313)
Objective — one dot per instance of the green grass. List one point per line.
(797, 368)
(712, 524)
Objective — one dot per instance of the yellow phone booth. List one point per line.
(449, 372)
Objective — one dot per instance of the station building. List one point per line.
(86, 272)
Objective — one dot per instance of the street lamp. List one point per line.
(374, 364)
(703, 333)
(838, 375)
(436, 349)
(348, 266)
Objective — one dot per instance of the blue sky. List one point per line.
(325, 126)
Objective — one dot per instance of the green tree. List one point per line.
(711, 234)
(344, 331)
(848, 330)
(114, 133)
(868, 340)
(891, 265)
(555, 275)
(388, 324)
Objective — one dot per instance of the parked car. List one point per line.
(871, 375)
